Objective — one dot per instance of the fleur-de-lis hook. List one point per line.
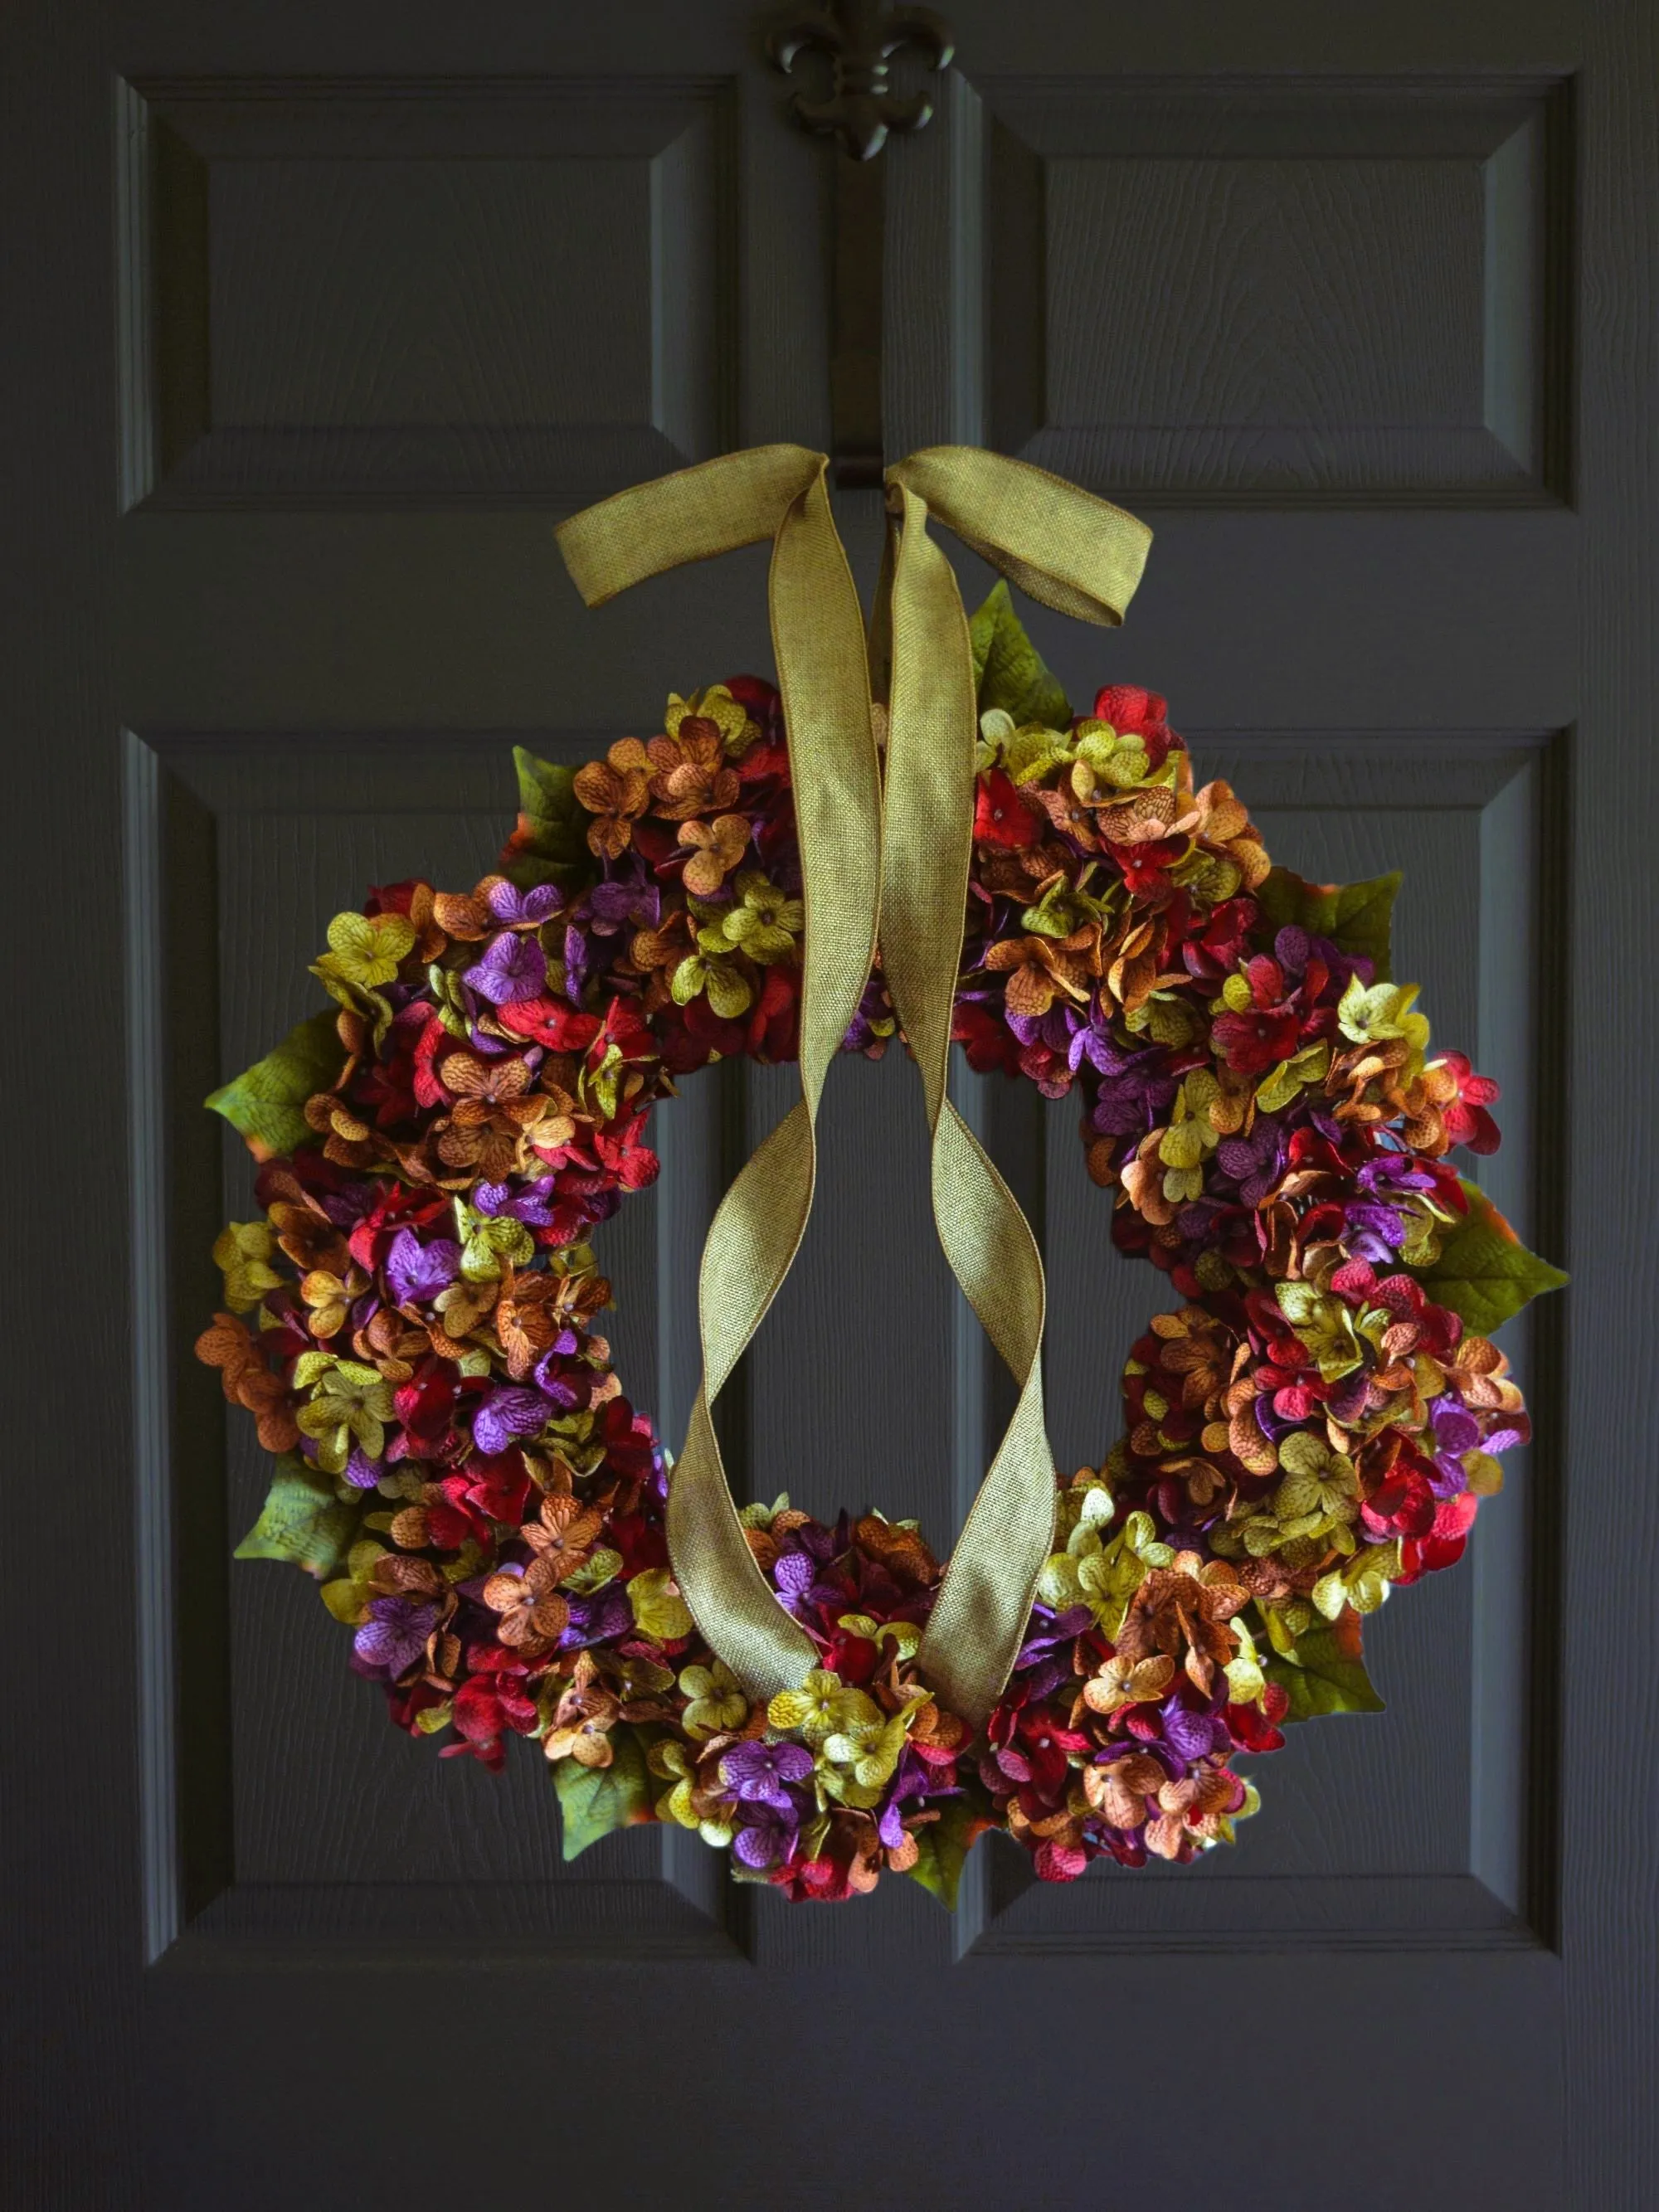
(860, 38)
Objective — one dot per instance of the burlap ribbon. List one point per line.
(1075, 553)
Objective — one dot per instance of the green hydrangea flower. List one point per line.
(492, 1242)
(672, 1762)
(821, 1707)
(717, 1700)
(350, 1404)
(1362, 1583)
(1029, 753)
(763, 922)
(1376, 1014)
(659, 1609)
(1247, 1684)
(1325, 1325)
(1302, 1071)
(1104, 1577)
(347, 1597)
(366, 948)
(711, 973)
(1119, 763)
(857, 1762)
(242, 1252)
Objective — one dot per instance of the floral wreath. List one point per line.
(1312, 1423)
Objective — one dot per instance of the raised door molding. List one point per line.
(372, 292)
(1267, 292)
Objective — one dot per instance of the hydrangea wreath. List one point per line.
(1313, 1422)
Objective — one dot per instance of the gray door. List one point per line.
(318, 317)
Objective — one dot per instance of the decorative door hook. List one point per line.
(859, 38)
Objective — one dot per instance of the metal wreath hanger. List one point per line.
(859, 38)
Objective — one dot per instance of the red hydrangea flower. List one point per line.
(1002, 817)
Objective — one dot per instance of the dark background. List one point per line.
(316, 317)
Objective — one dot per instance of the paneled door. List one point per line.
(318, 318)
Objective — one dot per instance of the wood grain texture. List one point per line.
(372, 293)
(72, 1930)
(1609, 1734)
(1230, 291)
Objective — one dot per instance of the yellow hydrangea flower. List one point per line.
(716, 705)
(366, 948)
(717, 1700)
(659, 1609)
(822, 1706)
(242, 1253)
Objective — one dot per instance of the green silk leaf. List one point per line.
(1327, 1675)
(1009, 670)
(1485, 1273)
(1356, 917)
(944, 1845)
(549, 844)
(267, 1103)
(595, 1800)
(303, 1520)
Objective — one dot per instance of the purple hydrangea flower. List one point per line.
(563, 1392)
(530, 1203)
(506, 1413)
(1374, 1232)
(757, 1773)
(1455, 1431)
(1057, 1029)
(1049, 1630)
(793, 1574)
(765, 1835)
(1191, 1735)
(512, 968)
(1132, 1098)
(346, 1208)
(575, 965)
(394, 1636)
(1391, 1171)
(624, 903)
(1346, 1403)
(525, 909)
(361, 1472)
(415, 1271)
(597, 1619)
(873, 1007)
(890, 1828)
(1291, 949)
(1252, 1162)
(1092, 1040)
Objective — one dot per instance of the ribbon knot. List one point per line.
(906, 865)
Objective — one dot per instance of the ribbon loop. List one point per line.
(1064, 547)
(1075, 553)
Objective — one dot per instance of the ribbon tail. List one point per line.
(1085, 558)
(817, 631)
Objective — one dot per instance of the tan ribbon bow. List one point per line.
(1075, 553)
